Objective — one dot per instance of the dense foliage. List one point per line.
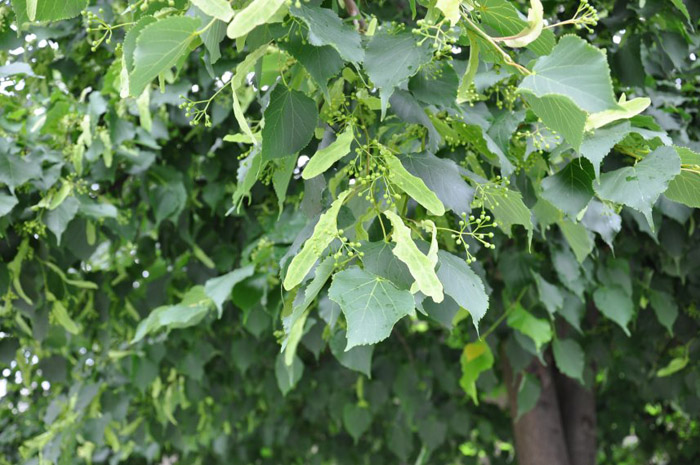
(347, 232)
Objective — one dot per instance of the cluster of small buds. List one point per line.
(586, 16)
(193, 111)
(31, 228)
(347, 251)
(440, 35)
(472, 226)
(541, 141)
(95, 24)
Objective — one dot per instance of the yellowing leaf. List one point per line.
(626, 111)
(324, 158)
(535, 23)
(256, 13)
(413, 186)
(422, 267)
(325, 231)
(476, 358)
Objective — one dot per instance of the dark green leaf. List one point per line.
(290, 120)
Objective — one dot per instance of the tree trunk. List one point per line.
(539, 436)
(561, 428)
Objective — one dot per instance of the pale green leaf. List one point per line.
(682, 8)
(614, 303)
(237, 81)
(569, 358)
(626, 110)
(639, 186)
(413, 186)
(371, 305)
(326, 157)
(450, 9)
(324, 232)
(7, 203)
(472, 66)
(60, 314)
(159, 46)
(422, 267)
(674, 366)
(535, 24)
(47, 10)
(219, 9)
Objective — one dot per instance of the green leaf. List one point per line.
(665, 308)
(506, 20)
(371, 305)
(47, 10)
(569, 358)
(219, 9)
(463, 285)
(443, 178)
(639, 186)
(60, 314)
(450, 9)
(682, 8)
(357, 359)
(322, 62)
(290, 120)
(193, 308)
(528, 394)
(476, 358)
(288, 375)
(212, 37)
(7, 203)
(393, 58)
(422, 267)
(578, 237)
(281, 178)
(406, 107)
(159, 46)
(356, 420)
(550, 295)
(219, 289)
(597, 144)
(380, 260)
(685, 188)
(413, 186)
(567, 84)
(674, 366)
(16, 170)
(508, 208)
(435, 84)
(570, 189)
(614, 303)
(326, 28)
(324, 232)
(326, 157)
(237, 81)
(254, 14)
(129, 44)
(539, 330)
(467, 80)
(57, 220)
(602, 219)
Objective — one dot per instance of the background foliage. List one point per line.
(154, 252)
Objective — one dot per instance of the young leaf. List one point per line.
(422, 267)
(219, 9)
(640, 185)
(326, 157)
(254, 14)
(614, 303)
(476, 358)
(413, 186)
(159, 46)
(371, 305)
(325, 231)
(290, 120)
(569, 358)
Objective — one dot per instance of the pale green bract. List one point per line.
(535, 23)
(256, 13)
(627, 109)
(413, 186)
(324, 232)
(326, 157)
(219, 9)
(422, 267)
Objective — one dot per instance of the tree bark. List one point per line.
(539, 435)
(577, 404)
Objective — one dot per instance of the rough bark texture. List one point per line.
(578, 414)
(539, 435)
